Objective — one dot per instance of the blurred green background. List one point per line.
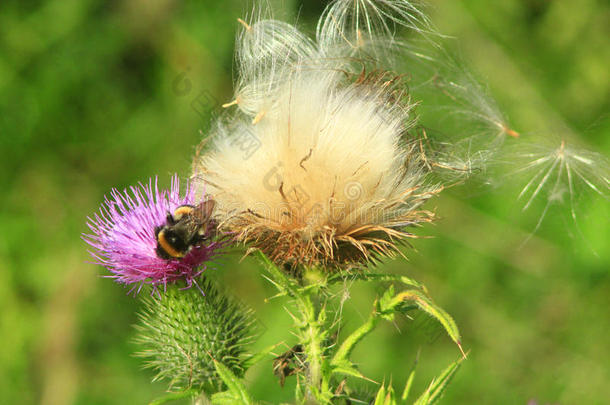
(98, 94)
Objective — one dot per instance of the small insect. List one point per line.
(288, 363)
(186, 227)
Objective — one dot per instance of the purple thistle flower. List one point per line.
(124, 237)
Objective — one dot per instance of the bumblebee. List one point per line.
(186, 227)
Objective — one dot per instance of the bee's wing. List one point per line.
(203, 212)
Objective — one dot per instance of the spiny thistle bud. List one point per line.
(183, 332)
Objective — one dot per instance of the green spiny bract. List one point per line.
(183, 332)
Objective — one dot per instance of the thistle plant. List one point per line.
(320, 167)
(337, 181)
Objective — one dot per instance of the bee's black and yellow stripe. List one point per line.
(183, 210)
(164, 246)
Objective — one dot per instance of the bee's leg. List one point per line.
(196, 240)
(208, 231)
(170, 219)
(157, 230)
(202, 233)
(199, 238)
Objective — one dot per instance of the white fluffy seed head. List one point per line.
(331, 162)
(317, 165)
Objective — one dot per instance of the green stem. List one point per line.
(314, 336)
(342, 354)
(311, 323)
(172, 396)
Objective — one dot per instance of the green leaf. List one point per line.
(390, 396)
(426, 304)
(409, 384)
(235, 386)
(439, 384)
(380, 397)
(377, 277)
(347, 368)
(223, 398)
(283, 283)
(443, 380)
(299, 394)
(424, 398)
(172, 396)
(386, 305)
(385, 396)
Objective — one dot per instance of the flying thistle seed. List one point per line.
(128, 234)
(560, 174)
(184, 332)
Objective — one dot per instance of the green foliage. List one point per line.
(194, 341)
(324, 363)
(236, 393)
(390, 303)
(386, 396)
(385, 308)
(437, 387)
(409, 384)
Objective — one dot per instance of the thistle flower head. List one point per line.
(183, 332)
(124, 240)
(316, 165)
